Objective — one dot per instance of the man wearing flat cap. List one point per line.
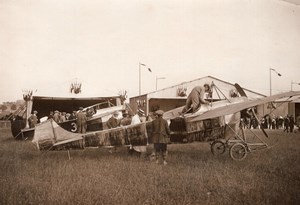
(160, 135)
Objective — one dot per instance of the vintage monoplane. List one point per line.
(214, 120)
(100, 109)
(220, 123)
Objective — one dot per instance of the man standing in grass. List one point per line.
(160, 135)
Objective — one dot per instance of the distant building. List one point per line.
(175, 96)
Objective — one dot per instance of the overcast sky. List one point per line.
(47, 44)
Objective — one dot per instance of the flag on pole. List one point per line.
(149, 69)
(142, 64)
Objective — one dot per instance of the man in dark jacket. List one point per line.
(160, 135)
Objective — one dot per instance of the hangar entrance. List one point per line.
(165, 104)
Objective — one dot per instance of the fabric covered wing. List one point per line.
(233, 108)
(48, 133)
(132, 134)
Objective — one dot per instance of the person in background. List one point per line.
(292, 124)
(273, 123)
(81, 121)
(89, 113)
(113, 121)
(298, 121)
(280, 122)
(73, 115)
(68, 116)
(269, 122)
(160, 135)
(286, 123)
(196, 98)
(276, 122)
(50, 116)
(126, 120)
(56, 116)
(33, 120)
(150, 116)
(62, 117)
(139, 117)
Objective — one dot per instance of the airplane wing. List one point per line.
(48, 135)
(237, 107)
(106, 113)
(68, 141)
(171, 114)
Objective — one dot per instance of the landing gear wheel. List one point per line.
(218, 147)
(238, 152)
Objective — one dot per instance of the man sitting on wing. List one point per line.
(195, 99)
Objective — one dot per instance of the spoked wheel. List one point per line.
(238, 152)
(218, 147)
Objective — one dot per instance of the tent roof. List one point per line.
(44, 104)
(72, 98)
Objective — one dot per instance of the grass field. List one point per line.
(193, 175)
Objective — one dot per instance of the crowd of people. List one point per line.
(287, 123)
(59, 117)
(160, 130)
(56, 115)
